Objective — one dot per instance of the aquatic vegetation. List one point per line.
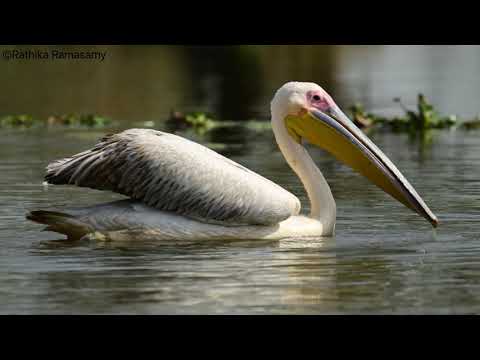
(90, 120)
(199, 121)
(472, 124)
(363, 119)
(423, 119)
(73, 120)
(17, 121)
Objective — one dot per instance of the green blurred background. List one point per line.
(142, 83)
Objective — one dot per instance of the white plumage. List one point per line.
(168, 172)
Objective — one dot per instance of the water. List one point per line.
(383, 259)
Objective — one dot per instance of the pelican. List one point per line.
(181, 190)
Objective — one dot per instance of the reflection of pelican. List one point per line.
(182, 190)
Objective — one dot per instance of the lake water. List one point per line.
(383, 259)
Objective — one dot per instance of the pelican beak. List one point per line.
(334, 132)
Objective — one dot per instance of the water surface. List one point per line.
(383, 259)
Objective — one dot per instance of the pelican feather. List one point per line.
(174, 174)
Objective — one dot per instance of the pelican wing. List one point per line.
(174, 174)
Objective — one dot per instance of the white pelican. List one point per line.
(181, 190)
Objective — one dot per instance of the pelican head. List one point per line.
(307, 112)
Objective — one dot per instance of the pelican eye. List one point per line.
(316, 97)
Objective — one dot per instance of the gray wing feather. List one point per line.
(174, 174)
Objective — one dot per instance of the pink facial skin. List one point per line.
(320, 100)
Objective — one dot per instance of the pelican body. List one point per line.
(181, 190)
